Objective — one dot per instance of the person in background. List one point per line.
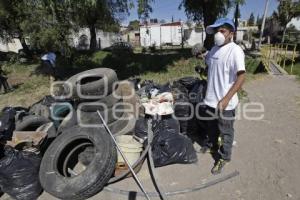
(3, 81)
(48, 62)
(226, 74)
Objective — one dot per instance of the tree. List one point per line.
(14, 13)
(207, 11)
(287, 10)
(162, 21)
(272, 28)
(97, 14)
(134, 25)
(237, 13)
(251, 20)
(258, 21)
(144, 9)
(44, 24)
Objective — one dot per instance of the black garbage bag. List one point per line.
(170, 148)
(7, 123)
(150, 89)
(19, 174)
(182, 107)
(198, 92)
(166, 123)
(189, 82)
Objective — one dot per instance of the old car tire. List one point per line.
(109, 101)
(31, 123)
(124, 125)
(69, 121)
(92, 84)
(55, 176)
(109, 114)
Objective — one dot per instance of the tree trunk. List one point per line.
(236, 20)
(284, 31)
(93, 40)
(24, 45)
(208, 19)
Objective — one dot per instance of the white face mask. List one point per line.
(219, 39)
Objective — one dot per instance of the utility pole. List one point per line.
(263, 23)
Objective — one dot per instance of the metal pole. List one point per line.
(263, 23)
(124, 157)
(293, 58)
(286, 47)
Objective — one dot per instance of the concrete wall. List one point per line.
(159, 35)
(145, 37)
(150, 35)
(196, 37)
(104, 39)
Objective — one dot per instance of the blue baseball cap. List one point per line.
(218, 23)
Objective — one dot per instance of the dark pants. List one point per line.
(218, 124)
(50, 69)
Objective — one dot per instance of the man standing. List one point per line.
(226, 74)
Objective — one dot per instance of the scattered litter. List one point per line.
(234, 143)
(289, 195)
(279, 141)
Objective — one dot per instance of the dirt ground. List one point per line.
(267, 154)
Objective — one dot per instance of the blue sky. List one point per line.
(165, 9)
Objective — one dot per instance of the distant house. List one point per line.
(131, 36)
(161, 34)
(81, 39)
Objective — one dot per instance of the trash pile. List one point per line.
(61, 141)
(169, 109)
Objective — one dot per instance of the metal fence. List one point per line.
(279, 54)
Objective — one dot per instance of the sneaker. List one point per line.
(218, 167)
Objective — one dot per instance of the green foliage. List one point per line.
(206, 12)
(102, 14)
(45, 24)
(144, 8)
(48, 24)
(251, 64)
(258, 21)
(198, 10)
(152, 48)
(251, 20)
(134, 25)
(287, 10)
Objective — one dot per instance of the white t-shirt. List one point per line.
(223, 64)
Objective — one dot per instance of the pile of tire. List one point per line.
(82, 157)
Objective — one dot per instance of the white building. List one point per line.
(79, 40)
(161, 34)
(174, 33)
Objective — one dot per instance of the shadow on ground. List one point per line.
(125, 64)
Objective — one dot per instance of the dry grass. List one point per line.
(30, 87)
